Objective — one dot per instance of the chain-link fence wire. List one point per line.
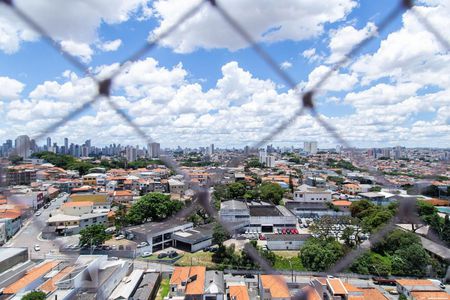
(306, 103)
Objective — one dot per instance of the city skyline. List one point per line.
(202, 90)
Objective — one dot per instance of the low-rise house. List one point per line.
(273, 287)
(377, 198)
(238, 292)
(351, 188)
(31, 277)
(176, 186)
(148, 287)
(93, 276)
(122, 197)
(197, 283)
(94, 179)
(12, 218)
(306, 193)
(3, 236)
(127, 286)
(408, 287)
(342, 205)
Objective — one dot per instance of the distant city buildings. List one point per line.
(153, 150)
(310, 147)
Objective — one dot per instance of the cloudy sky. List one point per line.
(204, 84)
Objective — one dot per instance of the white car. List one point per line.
(38, 213)
(37, 248)
(143, 244)
(146, 254)
(120, 237)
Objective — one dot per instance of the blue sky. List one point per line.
(204, 85)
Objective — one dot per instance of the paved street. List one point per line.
(30, 234)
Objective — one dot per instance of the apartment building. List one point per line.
(18, 176)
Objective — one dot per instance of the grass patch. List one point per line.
(198, 258)
(163, 290)
(284, 263)
(286, 253)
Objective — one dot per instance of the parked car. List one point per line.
(147, 254)
(213, 249)
(37, 248)
(119, 237)
(172, 254)
(38, 213)
(206, 249)
(162, 255)
(143, 244)
(262, 237)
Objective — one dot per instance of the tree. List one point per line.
(320, 254)
(236, 190)
(359, 209)
(251, 195)
(272, 192)
(412, 260)
(220, 235)
(153, 207)
(35, 295)
(15, 159)
(93, 235)
(375, 220)
(396, 239)
(372, 263)
(375, 189)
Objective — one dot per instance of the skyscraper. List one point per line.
(49, 143)
(23, 146)
(310, 147)
(66, 145)
(153, 150)
(130, 153)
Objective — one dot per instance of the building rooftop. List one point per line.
(158, 226)
(30, 276)
(50, 285)
(96, 198)
(127, 286)
(195, 235)
(233, 205)
(146, 286)
(264, 210)
(193, 277)
(78, 203)
(239, 292)
(276, 285)
(8, 253)
(336, 286)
